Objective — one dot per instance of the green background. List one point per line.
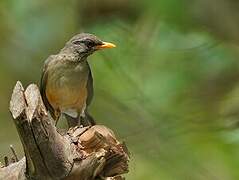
(170, 89)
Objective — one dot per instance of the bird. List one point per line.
(66, 84)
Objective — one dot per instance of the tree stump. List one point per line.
(81, 153)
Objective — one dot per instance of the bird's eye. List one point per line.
(89, 43)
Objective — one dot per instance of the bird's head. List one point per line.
(85, 44)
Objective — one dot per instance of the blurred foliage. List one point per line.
(170, 89)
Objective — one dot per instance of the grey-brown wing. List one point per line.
(90, 93)
(90, 89)
(43, 87)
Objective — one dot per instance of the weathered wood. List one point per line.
(14, 171)
(84, 153)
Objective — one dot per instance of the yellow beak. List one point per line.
(106, 45)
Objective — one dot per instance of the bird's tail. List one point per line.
(86, 120)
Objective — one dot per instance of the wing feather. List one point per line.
(43, 84)
(90, 89)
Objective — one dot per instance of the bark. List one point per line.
(84, 153)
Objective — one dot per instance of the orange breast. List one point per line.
(67, 97)
(66, 85)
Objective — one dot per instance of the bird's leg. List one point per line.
(82, 117)
(84, 121)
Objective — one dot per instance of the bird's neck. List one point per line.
(70, 51)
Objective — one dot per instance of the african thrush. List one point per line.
(67, 84)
